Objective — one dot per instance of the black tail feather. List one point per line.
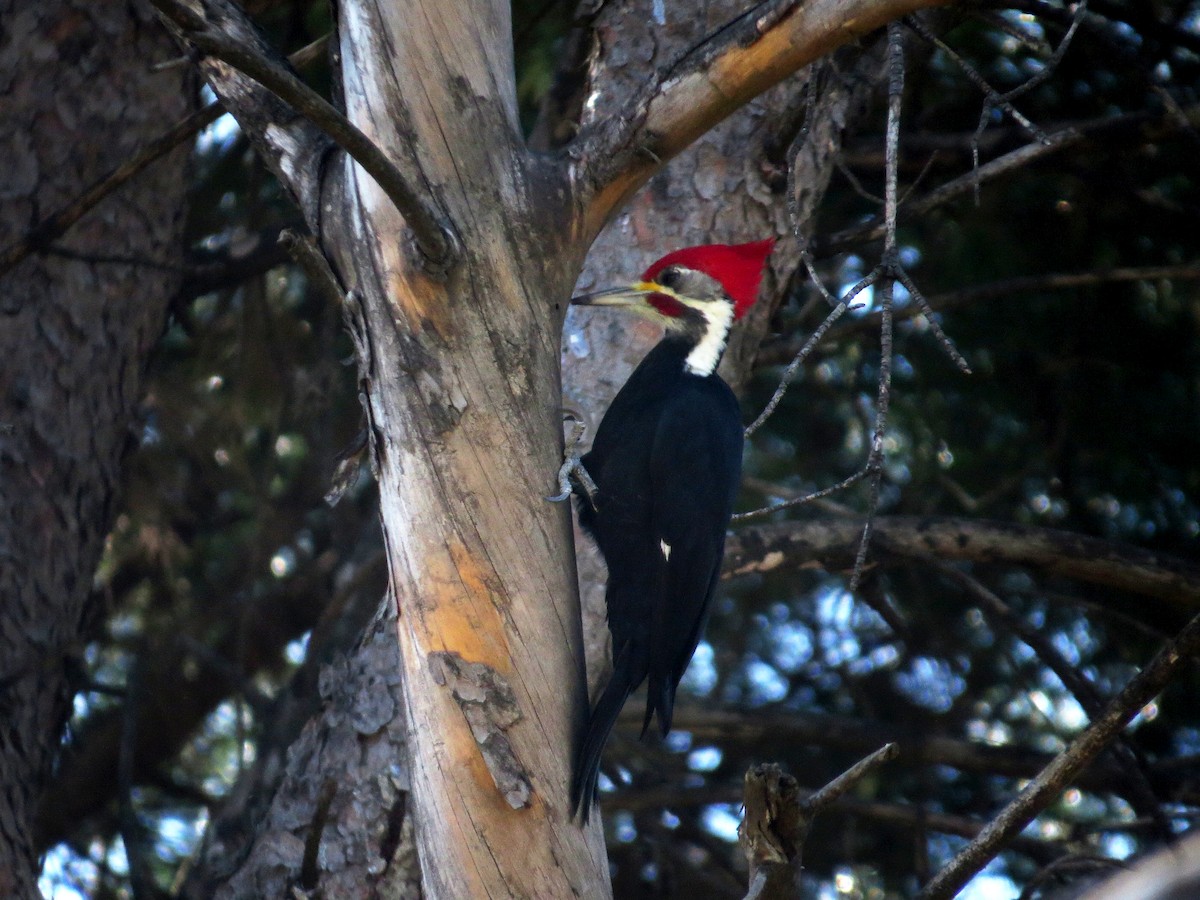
(600, 725)
(660, 699)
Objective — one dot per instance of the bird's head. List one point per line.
(696, 294)
(690, 287)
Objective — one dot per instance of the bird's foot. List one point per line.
(573, 465)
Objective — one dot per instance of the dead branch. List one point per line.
(718, 75)
(772, 832)
(1000, 290)
(1138, 791)
(222, 32)
(895, 64)
(794, 366)
(918, 747)
(806, 498)
(830, 542)
(778, 819)
(893, 814)
(1042, 791)
(1142, 125)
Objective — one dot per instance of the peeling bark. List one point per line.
(344, 797)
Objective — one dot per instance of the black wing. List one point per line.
(695, 469)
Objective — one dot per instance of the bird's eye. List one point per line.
(668, 277)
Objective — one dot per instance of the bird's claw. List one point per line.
(564, 479)
(573, 465)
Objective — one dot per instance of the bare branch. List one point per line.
(1104, 12)
(895, 65)
(1056, 57)
(994, 98)
(209, 32)
(777, 821)
(55, 224)
(772, 832)
(1143, 126)
(848, 779)
(830, 542)
(909, 817)
(807, 498)
(917, 748)
(923, 305)
(718, 75)
(794, 366)
(1049, 783)
(49, 228)
(1003, 289)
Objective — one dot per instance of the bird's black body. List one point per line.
(666, 460)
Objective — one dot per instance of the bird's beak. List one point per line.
(631, 295)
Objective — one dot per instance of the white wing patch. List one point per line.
(666, 549)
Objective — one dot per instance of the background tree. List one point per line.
(76, 325)
(225, 554)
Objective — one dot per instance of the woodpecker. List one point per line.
(665, 467)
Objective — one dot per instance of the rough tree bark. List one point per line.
(459, 357)
(76, 326)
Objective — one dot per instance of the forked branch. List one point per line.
(221, 31)
(721, 73)
(778, 818)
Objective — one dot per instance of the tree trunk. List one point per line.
(76, 326)
(463, 385)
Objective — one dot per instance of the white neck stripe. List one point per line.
(718, 317)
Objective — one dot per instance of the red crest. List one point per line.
(739, 268)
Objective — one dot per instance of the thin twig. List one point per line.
(833, 791)
(303, 249)
(112, 259)
(855, 183)
(999, 290)
(895, 62)
(434, 236)
(794, 366)
(1140, 125)
(807, 498)
(1021, 89)
(1028, 40)
(1140, 690)
(934, 325)
(1055, 58)
(810, 266)
(1001, 165)
(994, 99)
